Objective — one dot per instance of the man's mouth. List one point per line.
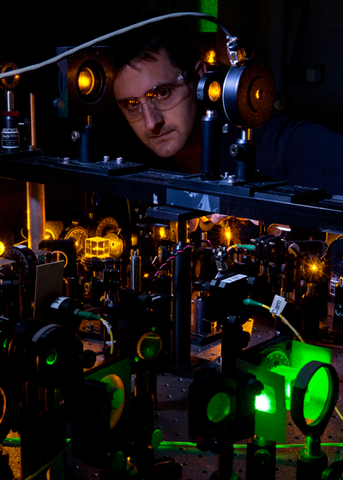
(161, 136)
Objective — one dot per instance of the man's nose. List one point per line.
(152, 117)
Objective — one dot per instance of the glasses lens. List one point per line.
(168, 97)
(161, 98)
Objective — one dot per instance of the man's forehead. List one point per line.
(143, 74)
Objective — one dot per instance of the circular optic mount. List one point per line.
(314, 397)
(106, 225)
(90, 81)
(80, 235)
(335, 256)
(25, 258)
(149, 346)
(116, 244)
(249, 94)
(274, 358)
(209, 90)
(9, 82)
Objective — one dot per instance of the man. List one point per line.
(155, 88)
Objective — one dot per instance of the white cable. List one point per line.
(37, 66)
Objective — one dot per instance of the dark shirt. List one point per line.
(301, 152)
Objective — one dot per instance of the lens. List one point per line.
(90, 81)
(115, 386)
(149, 346)
(218, 407)
(214, 91)
(86, 81)
(316, 397)
(170, 96)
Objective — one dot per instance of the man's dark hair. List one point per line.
(173, 36)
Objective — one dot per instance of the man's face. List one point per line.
(165, 132)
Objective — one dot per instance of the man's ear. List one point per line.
(200, 68)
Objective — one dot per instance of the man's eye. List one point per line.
(163, 94)
(132, 105)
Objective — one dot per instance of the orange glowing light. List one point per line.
(49, 235)
(229, 232)
(86, 81)
(312, 268)
(2, 248)
(214, 91)
(162, 232)
(211, 57)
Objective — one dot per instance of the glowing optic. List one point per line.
(214, 91)
(156, 438)
(86, 81)
(115, 244)
(2, 248)
(149, 346)
(118, 461)
(218, 407)
(52, 357)
(318, 391)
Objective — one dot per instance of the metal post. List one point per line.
(35, 204)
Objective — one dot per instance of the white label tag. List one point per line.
(234, 278)
(57, 302)
(278, 305)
